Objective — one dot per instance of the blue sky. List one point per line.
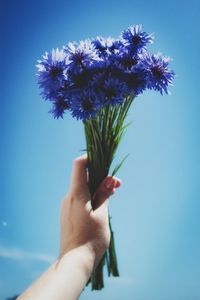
(155, 214)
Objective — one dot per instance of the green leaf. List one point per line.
(119, 165)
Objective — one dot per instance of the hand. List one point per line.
(81, 225)
(85, 236)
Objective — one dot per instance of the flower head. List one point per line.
(114, 91)
(60, 105)
(80, 56)
(85, 76)
(126, 60)
(136, 39)
(52, 73)
(84, 104)
(106, 46)
(135, 80)
(158, 76)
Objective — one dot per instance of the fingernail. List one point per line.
(118, 183)
(109, 183)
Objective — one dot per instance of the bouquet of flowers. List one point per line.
(96, 81)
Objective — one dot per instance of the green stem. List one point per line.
(103, 134)
(112, 254)
(97, 276)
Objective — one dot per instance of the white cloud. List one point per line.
(20, 254)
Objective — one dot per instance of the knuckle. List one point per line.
(76, 161)
(79, 159)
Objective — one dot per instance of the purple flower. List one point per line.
(80, 56)
(84, 104)
(158, 76)
(80, 79)
(106, 46)
(125, 60)
(86, 76)
(114, 91)
(109, 87)
(60, 105)
(136, 39)
(135, 80)
(52, 73)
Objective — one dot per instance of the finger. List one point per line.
(112, 182)
(79, 175)
(105, 190)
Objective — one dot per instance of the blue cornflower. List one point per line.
(84, 104)
(158, 76)
(106, 46)
(97, 83)
(116, 45)
(52, 73)
(126, 60)
(84, 76)
(114, 90)
(135, 79)
(80, 56)
(81, 78)
(136, 39)
(60, 105)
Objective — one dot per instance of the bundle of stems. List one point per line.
(103, 134)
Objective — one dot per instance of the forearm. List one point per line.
(65, 279)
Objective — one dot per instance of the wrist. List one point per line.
(83, 258)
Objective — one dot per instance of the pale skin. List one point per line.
(84, 237)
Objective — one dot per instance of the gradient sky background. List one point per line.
(156, 211)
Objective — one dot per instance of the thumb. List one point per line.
(105, 190)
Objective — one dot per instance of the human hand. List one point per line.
(81, 225)
(85, 235)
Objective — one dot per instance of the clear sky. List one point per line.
(155, 214)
